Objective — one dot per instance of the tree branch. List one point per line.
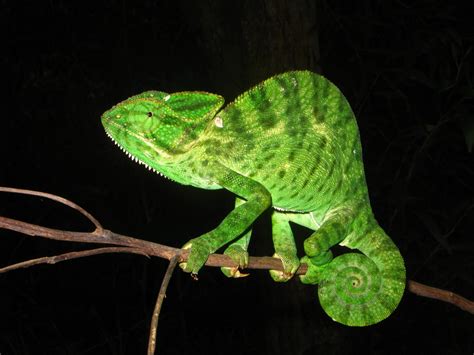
(441, 295)
(125, 244)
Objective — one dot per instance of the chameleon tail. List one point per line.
(360, 290)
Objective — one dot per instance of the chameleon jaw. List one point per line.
(134, 158)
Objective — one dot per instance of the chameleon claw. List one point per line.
(233, 272)
(184, 264)
(241, 257)
(290, 265)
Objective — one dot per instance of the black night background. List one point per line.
(406, 67)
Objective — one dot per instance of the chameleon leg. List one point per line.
(317, 247)
(285, 248)
(258, 199)
(238, 251)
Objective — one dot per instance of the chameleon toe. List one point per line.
(241, 257)
(199, 252)
(290, 265)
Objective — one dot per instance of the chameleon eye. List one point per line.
(149, 114)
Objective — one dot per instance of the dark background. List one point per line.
(405, 66)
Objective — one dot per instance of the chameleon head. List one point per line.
(156, 128)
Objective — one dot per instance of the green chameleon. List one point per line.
(290, 143)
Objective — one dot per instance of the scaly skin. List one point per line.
(290, 143)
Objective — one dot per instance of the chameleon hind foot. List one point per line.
(240, 256)
(316, 266)
(285, 248)
(290, 262)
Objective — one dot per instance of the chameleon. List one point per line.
(290, 143)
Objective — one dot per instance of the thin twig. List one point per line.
(56, 198)
(71, 255)
(159, 303)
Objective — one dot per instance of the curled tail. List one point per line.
(360, 290)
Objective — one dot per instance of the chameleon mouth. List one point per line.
(133, 157)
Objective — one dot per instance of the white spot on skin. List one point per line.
(219, 122)
(167, 97)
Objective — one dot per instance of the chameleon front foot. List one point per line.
(200, 250)
(240, 256)
(290, 263)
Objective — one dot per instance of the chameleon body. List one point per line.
(290, 143)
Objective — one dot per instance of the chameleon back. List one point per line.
(296, 134)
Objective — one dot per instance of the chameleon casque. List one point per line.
(290, 143)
